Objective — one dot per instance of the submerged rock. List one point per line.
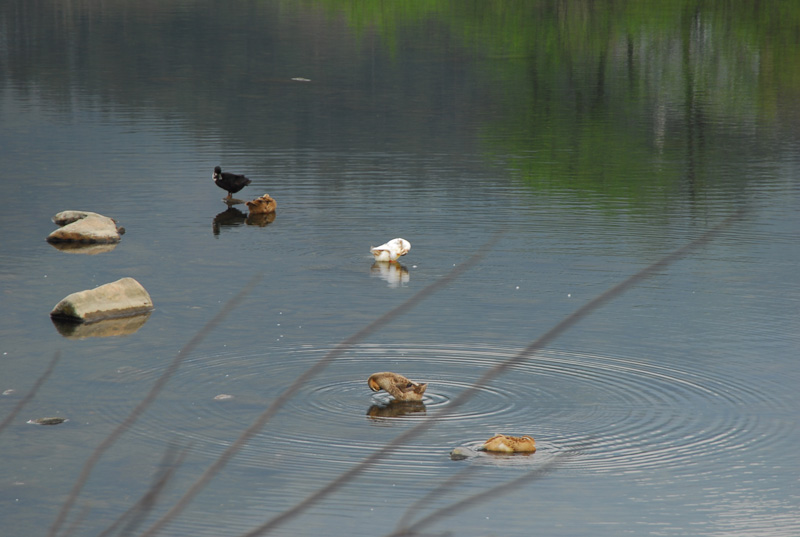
(122, 298)
(84, 227)
(460, 453)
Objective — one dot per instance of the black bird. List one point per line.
(232, 182)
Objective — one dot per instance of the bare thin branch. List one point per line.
(77, 520)
(32, 392)
(134, 517)
(492, 373)
(146, 402)
(342, 347)
(436, 492)
(487, 495)
(482, 496)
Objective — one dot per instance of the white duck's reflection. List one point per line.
(394, 274)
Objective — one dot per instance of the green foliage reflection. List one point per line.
(619, 97)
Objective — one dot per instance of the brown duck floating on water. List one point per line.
(501, 443)
(398, 386)
(263, 205)
(232, 182)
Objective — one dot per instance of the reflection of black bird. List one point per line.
(232, 182)
(228, 218)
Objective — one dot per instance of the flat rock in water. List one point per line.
(121, 298)
(84, 227)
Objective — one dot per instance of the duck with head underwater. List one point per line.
(391, 251)
(398, 386)
(501, 443)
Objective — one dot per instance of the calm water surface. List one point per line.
(593, 140)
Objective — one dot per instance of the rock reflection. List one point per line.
(395, 409)
(83, 248)
(231, 217)
(394, 274)
(122, 326)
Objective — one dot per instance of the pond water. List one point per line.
(580, 142)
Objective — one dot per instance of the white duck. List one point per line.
(391, 251)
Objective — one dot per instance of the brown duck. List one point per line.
(266, 204)
(501, 443)
(398, 386)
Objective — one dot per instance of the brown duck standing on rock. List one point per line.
(232, 182)
(398, 386)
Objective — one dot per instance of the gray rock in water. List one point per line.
(121, 298)
(460, 453)
(67, 217)
(84, 227)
